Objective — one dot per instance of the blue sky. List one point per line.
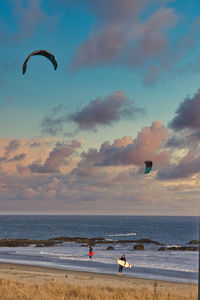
(72, 25)
(150, 52)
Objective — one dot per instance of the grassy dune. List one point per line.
(14, 290)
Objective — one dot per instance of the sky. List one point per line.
(126, 90)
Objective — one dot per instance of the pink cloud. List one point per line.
(128, 152)
(56, 159)
(117, 10)
(121, 36)
(151, 36)
(17, 154)
(91, 184)
(101, 47)
(123, 142)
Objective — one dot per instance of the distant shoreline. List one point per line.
(192, 245)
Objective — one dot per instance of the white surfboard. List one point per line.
(123, 263)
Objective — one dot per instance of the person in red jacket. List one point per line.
(90, 254)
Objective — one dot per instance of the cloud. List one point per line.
(18, 157)
(56, 159)
(100, 48)
(135, 34)
(127, 152)
(151, 36)
(19, 153)
(105, 111)
(89, 186)
(35, 144)
(184, 143)
(99, 112)
(123, 142)
(187, 114)
(29, 15)
(116, 11)
(185, 168)
(12, 146)
(173, 60)
(53, 123)
(122, 35)
(176, 142)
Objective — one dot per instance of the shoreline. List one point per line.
(37, 274)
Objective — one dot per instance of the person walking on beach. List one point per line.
(90, 254)
(121, 267)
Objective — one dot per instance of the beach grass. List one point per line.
(18, 290)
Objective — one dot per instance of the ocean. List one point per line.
(181, 266)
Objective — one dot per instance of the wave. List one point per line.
(123, 234)
(173, 246)
(164, 267)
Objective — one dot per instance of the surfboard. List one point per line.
(123, 263)
(91, 253)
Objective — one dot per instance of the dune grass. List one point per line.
(17, 290)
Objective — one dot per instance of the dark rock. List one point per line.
(162, 249)
(139, 247)
(14, 243)
(110, 248)
(147, 241)
(93, 241)
(91, 244)
(183, 248)
(158, 244)
(88, 241)
(26, 242)
(82, 240)
(39, 245)
(43, 243)
(193, 242)
(50, 243)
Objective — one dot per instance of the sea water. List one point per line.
(169, 265)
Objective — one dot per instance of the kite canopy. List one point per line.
(45, 53)
(149, 165)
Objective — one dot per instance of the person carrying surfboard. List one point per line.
(121, 267)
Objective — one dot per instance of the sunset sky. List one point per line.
(126, 90)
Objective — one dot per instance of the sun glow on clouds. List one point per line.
(51, 170)
(19, 156)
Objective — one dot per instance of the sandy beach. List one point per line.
(38, 275)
